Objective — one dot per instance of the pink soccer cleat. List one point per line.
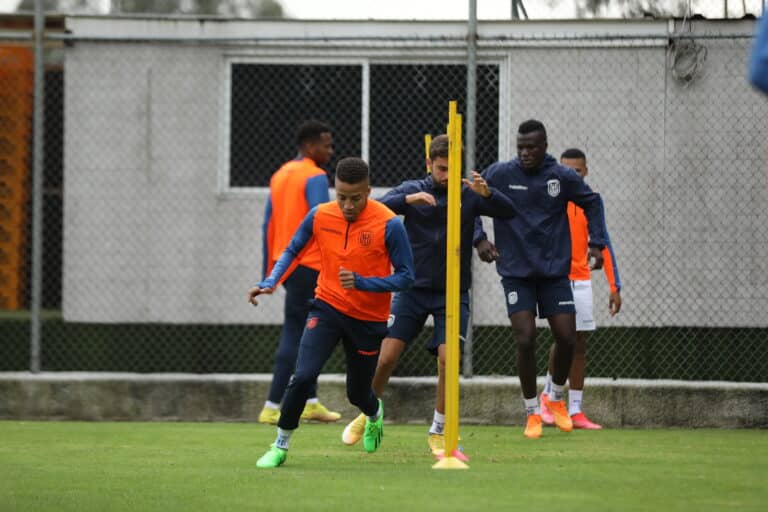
(581, 421)
(546, 415)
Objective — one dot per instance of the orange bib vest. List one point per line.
(357, 246)
(289, 207)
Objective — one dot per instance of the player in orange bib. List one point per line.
(582, 296)
(294, 189)
(364, 256)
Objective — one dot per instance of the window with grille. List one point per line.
(404, 101)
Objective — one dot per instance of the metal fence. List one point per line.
(157, 151)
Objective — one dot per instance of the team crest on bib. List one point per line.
(553, 188)
(512, 297)
(366, 237)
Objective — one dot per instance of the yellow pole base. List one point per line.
(449, 463)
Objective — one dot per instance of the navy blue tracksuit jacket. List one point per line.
(536, 243)
(427, 227)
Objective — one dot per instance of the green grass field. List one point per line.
(211, 466)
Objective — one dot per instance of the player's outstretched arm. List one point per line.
(286, 261)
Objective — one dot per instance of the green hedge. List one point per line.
(653, 353)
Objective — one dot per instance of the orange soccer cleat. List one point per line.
(533, 426)
(560, 412)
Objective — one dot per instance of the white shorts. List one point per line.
(582, 299)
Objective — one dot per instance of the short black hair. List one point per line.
(574, 153)
(352, 170)
(530, 126)
(310, 131)
(439, 147)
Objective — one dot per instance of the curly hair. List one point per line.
(310, 131)
(352, 170)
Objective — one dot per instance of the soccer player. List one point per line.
(582, 298)
(758, 61)
(364, 255)
(424, 206)
(297, 187)
(534, 260)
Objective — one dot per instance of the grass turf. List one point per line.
(211, 466)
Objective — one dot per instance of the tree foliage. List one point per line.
(633, 8)
(239, 8)
(627, 8)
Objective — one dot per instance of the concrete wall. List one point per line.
(152, 235)
(484, 400)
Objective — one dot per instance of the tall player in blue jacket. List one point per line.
(533, 258)
(424, 206)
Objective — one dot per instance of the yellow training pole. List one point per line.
(427, 143)
(450, 459)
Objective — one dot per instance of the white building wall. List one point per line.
(150, 236)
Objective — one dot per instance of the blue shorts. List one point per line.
(552, 295)
(411, 308)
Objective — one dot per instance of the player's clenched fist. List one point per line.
(347, 278)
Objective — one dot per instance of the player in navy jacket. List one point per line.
(424, 206)
(533, 258)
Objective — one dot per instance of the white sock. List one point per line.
(271, 405)
(438, 423)
(313, 400)
(556, 394)
(378, 414)
(574, 401)
(531, 406)
(283, 436)
(548, 385)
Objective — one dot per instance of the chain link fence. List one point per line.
(158, 149)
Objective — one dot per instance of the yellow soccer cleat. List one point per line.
(353, 432)
(436, 443)
(560, 412)
(269, 416)
(318, 412)
(533, 426)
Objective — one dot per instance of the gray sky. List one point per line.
(454, 9)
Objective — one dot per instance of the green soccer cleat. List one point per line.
(273, 458)
(374, 431)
